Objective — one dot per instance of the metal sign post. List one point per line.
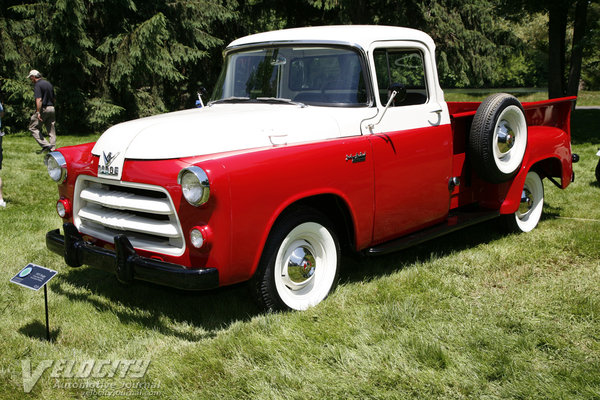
(34, 277)
(46, 305)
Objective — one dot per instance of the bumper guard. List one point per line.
(126, 263)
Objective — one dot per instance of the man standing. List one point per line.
(44, 112)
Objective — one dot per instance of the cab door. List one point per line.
(411, 143)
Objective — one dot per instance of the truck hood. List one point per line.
(211, 130)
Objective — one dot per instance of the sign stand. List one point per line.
(34, 277)
(46, 304)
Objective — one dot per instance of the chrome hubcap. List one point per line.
(527, 201)
(506, 137)
(300, 266)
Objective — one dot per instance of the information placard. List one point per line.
(33, 276)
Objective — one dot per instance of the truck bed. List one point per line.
(553, 112)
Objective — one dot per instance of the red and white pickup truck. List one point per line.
(315, 140)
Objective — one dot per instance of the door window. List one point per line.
(401, 67)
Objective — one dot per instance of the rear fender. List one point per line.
(548, 153)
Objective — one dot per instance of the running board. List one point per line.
(455, 221)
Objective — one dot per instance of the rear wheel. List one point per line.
(300, 263)
(598, 171)
(529, 213)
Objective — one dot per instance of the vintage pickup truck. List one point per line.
(316, 140)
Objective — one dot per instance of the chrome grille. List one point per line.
(145, 213)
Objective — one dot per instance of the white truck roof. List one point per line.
(361, 35)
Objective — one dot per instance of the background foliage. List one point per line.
(113, 60)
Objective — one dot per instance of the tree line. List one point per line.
(113, 60)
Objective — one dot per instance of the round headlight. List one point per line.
(194, 185)
(57, 166)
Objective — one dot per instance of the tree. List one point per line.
(590, 74)
(16, 51)
(560, 13)
(112, 60)
(579, 35)
(152, 51)
(475, 47)
(109, 59)
(70, 62)
(557, 28)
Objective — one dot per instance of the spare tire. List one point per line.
(498, 138)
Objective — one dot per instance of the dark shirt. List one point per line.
(44, 90)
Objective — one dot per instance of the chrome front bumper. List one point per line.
(125, 263)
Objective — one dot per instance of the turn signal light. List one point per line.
(200, 236)
(63, 208)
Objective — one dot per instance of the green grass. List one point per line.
(584, 98)
(476, 315)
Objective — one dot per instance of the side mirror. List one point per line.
(396, 92)
(400, 90)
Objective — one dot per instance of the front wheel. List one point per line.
(528, 215)
(300, 263)
(598, 171)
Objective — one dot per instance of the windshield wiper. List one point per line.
(269, 100)
(231, 100)
(279, 100)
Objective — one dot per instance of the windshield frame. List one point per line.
(358, 50)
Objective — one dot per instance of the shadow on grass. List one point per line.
(37, 330)
(166, 310)
(585, 126)
(362, 268)
(156, 307)
(551, 212)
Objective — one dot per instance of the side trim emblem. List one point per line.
(356, 158)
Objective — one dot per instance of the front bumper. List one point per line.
(126, 263)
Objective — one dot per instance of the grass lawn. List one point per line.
(584, 98)
(477, 315)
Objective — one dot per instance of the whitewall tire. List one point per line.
(498, 138)
(526, 218)
(300, 263)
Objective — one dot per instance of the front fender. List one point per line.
(264, 184)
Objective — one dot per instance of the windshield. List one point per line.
(326, 76)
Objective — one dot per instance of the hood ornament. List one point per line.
(109, 158)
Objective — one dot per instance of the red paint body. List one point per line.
(400, 187)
